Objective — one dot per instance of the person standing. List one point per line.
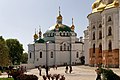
(40, 69)
(47, 68)
(70, 69)
(98, 74)
(66, 69)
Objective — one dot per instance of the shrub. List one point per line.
(108, 74)
(27, 77)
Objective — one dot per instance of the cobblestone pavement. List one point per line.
(78, 73)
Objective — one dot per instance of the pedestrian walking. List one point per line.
(40, 69)
(70, 69)
(66, 69)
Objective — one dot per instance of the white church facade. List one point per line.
(102, 37)
(59, 46)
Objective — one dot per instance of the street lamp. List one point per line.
(47, 53)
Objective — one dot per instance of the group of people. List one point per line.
(66, 69)
(54, 67)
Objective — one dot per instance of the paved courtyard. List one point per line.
(79, 73)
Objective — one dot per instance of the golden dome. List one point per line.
(95, 4)
(72, 27)
(112, 5)
(56, 26)
(100, 5)
(59, 17)
(35, 36)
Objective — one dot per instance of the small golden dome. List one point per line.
(59, 17)
(72, 27)
(35, 36)
(56, 26)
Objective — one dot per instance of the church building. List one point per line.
(58, 46)
(103, 34)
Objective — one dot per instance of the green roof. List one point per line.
(40, 41)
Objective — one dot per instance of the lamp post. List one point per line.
(47, 53)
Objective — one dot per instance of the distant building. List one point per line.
(59, 46)
(104, 33)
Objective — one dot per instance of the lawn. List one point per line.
(6, 79)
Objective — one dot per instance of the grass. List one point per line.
(6, 79)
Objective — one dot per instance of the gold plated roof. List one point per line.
(99, 5)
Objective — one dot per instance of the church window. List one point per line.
(109, 19)
(100, 26)
(109, 31)
(93, 27)
(77, 55)
(64, 47)
(67, 34)
(51, 54)
(60, 48)
(40, 54)
(30, 55)
(63, 34)
(100, 48)
(110, 46)
(93, 35)
(68, 48)
(100, 34)
(93, 48)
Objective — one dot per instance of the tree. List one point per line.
(4, 54)
(15, 50)
(24, 58)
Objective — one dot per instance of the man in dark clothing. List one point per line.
(70, 69)
(98, 74)
(47, 68)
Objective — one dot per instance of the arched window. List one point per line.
(100, 34)
(109, 31)
(63, 34)
(68, 48)
(100, 26)
(40, 54)
(64, 47)
(30, 55)
(110, 46)
(60, 34)
(51, 54)
(109, 19)
(93, 27)
(100, 48)
(93, 35)
(93, 48)
(60, 48)
(77, 55)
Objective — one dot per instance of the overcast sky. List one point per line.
(19, 18)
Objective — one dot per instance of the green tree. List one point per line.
(4, 54)
(24, 58)
(15, 50)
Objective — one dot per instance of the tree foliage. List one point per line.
(24, 58)
(4, 54)
(15, 50)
